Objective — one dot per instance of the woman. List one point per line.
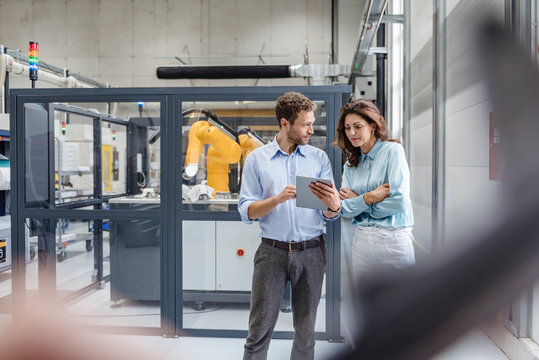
(375, 190)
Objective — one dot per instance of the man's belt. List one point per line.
(295, 245)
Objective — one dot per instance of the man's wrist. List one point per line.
(337, 210)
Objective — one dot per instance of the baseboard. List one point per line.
(514, 348)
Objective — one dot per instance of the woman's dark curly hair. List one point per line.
(370, 113)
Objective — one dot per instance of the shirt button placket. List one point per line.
(291, 173)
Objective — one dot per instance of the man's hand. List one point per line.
(288, 193)
(329, 197)
(377, 195)
(346, 193)
(262, 208)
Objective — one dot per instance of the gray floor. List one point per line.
(474, 345)
(95, 308)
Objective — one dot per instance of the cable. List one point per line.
(203, 311)
(143, 183)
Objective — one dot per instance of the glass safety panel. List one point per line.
(5, 266)
(6, 270)
(36, 148)
(95, 156)
(218, 254)
(114, 158)
(217, 137)
(130, 255)
(88, 250)
(76, 154)
(74, 143)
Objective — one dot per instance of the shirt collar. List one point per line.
(275, 149)
(373, 151)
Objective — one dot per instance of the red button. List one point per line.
(240, 252)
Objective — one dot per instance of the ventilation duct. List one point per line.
(318, 73)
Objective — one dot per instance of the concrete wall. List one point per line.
(121, 42)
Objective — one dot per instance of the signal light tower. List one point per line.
(33, 62)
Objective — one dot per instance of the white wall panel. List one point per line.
(467, 136)
(421, 146)
(421, 25)
(421, 185)
(470, 195)
(467, 109)
(466, 98)
(422, 227)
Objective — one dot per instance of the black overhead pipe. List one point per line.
(380, 70)
(224, 72)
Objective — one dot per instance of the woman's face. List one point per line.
(359, 131)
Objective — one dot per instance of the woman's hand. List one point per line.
(377, 195)
(346, 193)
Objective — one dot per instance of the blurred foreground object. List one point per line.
(413, 313)
(42, 332)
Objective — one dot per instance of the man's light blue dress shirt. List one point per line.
(266, 172)
(384, 163)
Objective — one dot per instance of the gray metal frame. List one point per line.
(170, 213)
(438, 123)
(406, 74)
(520, 16)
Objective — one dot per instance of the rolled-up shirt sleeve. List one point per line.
(327, 173)
(399, 185)
(251, 188)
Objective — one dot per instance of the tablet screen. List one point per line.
(305, 197)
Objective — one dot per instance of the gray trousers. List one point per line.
(272, 268)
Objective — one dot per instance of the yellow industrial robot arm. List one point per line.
(223, 150)
(248, 141)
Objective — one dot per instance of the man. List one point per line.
(292, 246)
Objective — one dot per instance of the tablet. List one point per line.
(305, 197)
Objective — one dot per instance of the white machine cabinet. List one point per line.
(198, 255)
(236, 244)
(218, 255)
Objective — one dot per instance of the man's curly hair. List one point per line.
(290, 104)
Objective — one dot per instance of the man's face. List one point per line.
(301, 131)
